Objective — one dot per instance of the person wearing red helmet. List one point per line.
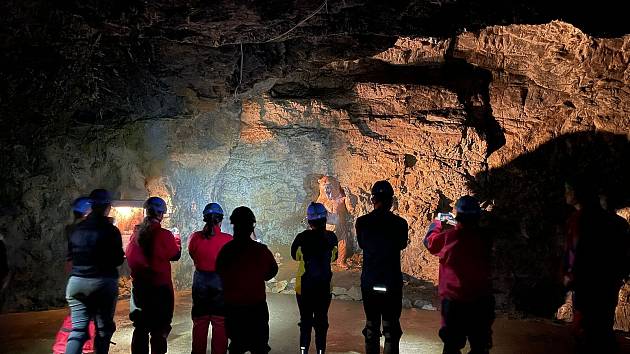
(244, 265)
(314, 249)
(150, 252)
(207, 290)
(465, 285)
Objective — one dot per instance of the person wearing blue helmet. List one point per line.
(315, 249)
(465, 286)
(95, 249)
(207, 290)
(81, 207)
(150, 252)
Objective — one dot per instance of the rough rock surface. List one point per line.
(440, 98)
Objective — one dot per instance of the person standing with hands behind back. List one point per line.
(150, 252)
(315, 249)
(382, 235)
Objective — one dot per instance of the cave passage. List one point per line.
(275, 104)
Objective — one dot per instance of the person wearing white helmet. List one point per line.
(315, 249)
(207, 290)
(150, 252)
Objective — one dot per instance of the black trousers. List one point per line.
(313, 305)
(594, 319)
(207, 295)
(467, 320)
(248, 328)
(153, 320)
(386, 307)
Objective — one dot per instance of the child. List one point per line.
(465, 286)
(315, 249)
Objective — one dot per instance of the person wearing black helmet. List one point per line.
(382, 236)
(150, 252)
(314, 249)
(95, 248)
(207, 289)
(244, 265)
(465, 285)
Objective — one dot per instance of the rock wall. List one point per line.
(506, 112)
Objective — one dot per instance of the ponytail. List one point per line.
(145, 236)
(211, 221)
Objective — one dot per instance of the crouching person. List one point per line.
(465, 286)
(207, 290)
(244, 265)
(149, 253)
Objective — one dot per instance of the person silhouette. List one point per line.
(382, 235)
(595, 264)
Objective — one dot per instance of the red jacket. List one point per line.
(464, 261)
(157, 270)
(204, 251)
(244, 266)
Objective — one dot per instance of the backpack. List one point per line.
(59, 346)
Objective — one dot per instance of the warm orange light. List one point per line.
(124, 212)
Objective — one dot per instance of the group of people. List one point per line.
(228, 289)
(228, 283)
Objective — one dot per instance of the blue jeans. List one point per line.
(91, 299)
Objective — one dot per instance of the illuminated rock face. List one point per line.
(505, 112)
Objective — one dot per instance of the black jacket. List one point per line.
(382, 235)
(315, 250)
(95, 248)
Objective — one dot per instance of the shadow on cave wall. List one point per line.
(529, 210)
(471, 84)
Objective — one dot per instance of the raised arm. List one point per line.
(435, 238)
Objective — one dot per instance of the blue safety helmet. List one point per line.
(316, 211)
(82, 205)
(100, 197)
(213, 208)
(156, 204)
(468, 205)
